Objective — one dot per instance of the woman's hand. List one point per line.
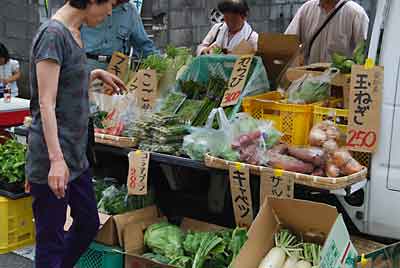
(109, 79)
(58, 177)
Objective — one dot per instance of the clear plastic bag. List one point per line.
(252, 138)
(205, 140)
(309, 89)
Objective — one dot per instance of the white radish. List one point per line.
(303, 264)
(274, 259)
(291, 262)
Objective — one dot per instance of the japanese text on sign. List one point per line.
(147, 89)
(237, 80)
(276, 183)
(138, 172)
(118, 66)
(241, 195)
(365, 108)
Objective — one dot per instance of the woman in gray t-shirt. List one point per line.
(57, 167)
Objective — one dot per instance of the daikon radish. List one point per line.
(291, 262)
(303, 264)
(274, 259)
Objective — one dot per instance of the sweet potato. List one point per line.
(313, 155)
(280, 148)
(288, 163)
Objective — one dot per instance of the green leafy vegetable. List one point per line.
(157, 258)
(172, 103)
(12, 161)
(211, 245)
(165, 239)
(155, 62)
(98, 118)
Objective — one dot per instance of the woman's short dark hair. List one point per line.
(82, 4)
(235, 6)
(4, 52)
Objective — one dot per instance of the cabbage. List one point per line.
(165, 239)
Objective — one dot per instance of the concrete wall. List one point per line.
(188, 20)
(19, 20)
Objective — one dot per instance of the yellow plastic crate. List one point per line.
(16, 224)
(293, 120)
(340, 117)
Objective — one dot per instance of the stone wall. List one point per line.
(19, 20)
(187, 21)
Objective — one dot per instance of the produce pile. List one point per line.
(12, 159)
(324, 156)
(242, 139)
(159, 132)
(345, 64)
(113, 199)
(289, 252)
(309, 89)
(168, 244)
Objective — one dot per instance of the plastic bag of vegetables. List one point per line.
(310, 89)
(252, 138)
(205, 140)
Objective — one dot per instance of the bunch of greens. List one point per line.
(190, 110)
(194, 90)
(309, 90)
(216, 88)
(114, 200)
(12, 159)
(169, 245)
(344, 64)
(172, 102)
(180, 56)
(98, 118)
(155, 62)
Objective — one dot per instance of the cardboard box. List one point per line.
(318, 223)
(279, 52)
(134, 240)
(111, 231)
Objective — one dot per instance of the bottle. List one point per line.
(7, 93)
(1, 89)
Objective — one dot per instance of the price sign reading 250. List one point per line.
(362, 139)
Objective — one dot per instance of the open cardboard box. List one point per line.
(318, 223)
(134, 240)
(279, 52)
(111, 229)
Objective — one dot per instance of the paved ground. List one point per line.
(14, 261)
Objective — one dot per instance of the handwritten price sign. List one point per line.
(239, 176)
(365, 108)
(276, 183)
(237, 80)
(138, 172)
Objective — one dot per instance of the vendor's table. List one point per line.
(14, 112)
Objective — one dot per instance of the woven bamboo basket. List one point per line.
(303, 179)
(116, 141)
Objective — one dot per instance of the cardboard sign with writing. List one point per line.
(119, 65)
(138, 172)
(147, 89)
(237, 80)
(365, 108)
(276, 183)
(241, 195)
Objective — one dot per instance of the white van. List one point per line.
(379, 214)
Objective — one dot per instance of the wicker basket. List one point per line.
(117, 141)
(303, 179)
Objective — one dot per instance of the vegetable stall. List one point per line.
(184, 124)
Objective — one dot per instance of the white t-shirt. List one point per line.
(6, 71)
(219, 35)
(342, 34)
